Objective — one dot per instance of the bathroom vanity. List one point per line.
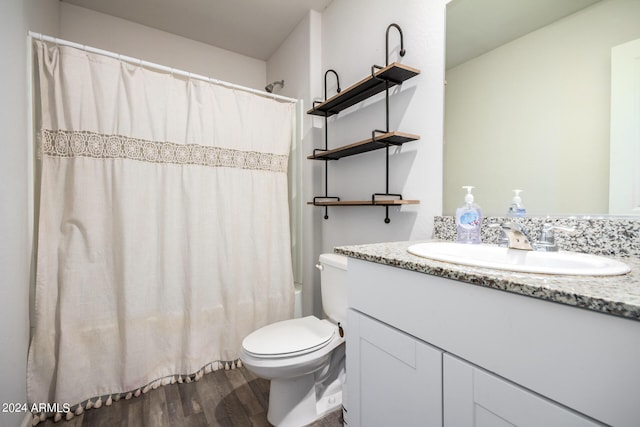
(433, 343)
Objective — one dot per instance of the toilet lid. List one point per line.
(289, 337)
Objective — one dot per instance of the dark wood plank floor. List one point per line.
(222, 398)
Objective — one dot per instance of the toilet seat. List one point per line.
(288, 338)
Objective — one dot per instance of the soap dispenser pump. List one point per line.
(516, 209)
(469, 219)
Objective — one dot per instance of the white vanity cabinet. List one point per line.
(474, 397)
(503, 359)
(399, 378)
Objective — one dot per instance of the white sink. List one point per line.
(489, 256)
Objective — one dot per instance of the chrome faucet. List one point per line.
(517, 237)
(547, 241)
(514, 236)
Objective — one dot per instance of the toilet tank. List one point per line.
(333, 286)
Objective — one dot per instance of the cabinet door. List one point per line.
(473, 397)
(393, 379)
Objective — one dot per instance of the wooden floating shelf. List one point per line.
(365, 203)
(394, 74)
(381, 141)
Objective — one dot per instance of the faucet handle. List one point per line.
(547, 240)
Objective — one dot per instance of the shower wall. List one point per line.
(298, 61)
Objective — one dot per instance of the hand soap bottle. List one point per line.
(516, 209)
(469, 219)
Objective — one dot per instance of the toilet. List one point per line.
(304, 357)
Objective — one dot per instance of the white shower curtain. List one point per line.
(163, 232)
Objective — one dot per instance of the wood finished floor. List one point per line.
(222, 398)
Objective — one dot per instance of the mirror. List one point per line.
(527, 102)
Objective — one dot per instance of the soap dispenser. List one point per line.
(516, 209)
(469, 219)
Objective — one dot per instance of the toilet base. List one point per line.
(293, 402)
(302, 400)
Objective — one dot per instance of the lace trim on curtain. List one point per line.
(107, 400)
(62, 143)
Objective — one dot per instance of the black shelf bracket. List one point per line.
(386, 50)
(325, 198)
(382, 78)
(385, 79)
(326, 143)
(386, 194)
(402, 52)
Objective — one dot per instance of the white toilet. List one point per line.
(304, 358)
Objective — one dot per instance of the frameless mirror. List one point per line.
(527, 102)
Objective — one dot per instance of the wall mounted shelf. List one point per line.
(381, 79)
(394, 202)
(370, 144)
(377, 82)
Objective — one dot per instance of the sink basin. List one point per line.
(490, 256)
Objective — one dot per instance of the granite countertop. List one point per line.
(616, 295)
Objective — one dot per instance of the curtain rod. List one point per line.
(155, 66)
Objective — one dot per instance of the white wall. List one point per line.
(16, 18)
(353, 39)
(534, 114)
(298, 61)
(128, 38)
(349, 36)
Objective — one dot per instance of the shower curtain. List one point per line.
(163, 230)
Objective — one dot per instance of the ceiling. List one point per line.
(475, 27)
(255, 28)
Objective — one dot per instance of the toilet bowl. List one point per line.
(304, 358)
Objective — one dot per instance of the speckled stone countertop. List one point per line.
(598, 236)
(616, 295)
